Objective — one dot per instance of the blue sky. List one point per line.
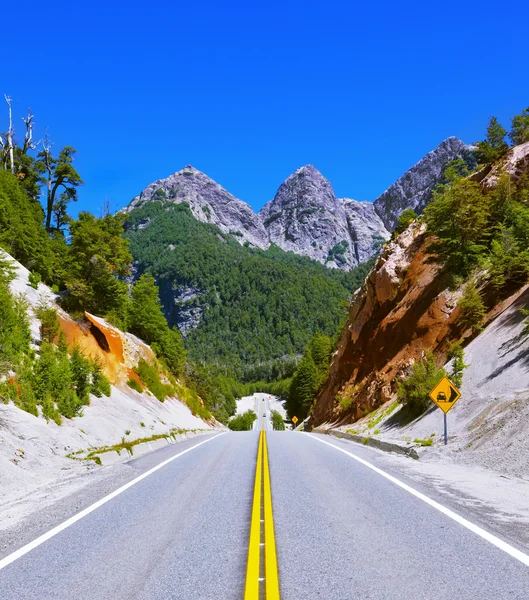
(250, 91)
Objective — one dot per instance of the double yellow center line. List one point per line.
(261, 575)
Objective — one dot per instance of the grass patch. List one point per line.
(129, 445)
(151, 379)
(427, 442)
(344, 401)
(382, 415)
(352, 431)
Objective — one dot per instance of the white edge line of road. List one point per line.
(489, 537)
(62, 526)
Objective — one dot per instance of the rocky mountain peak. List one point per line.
(414, 189)
(208, 201)
(306, 217)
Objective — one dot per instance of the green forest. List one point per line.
(259, 308)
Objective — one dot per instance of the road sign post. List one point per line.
(445, 395)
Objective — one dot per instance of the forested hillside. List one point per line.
(442, 280)
(255, 309)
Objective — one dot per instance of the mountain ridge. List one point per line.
(305, 216)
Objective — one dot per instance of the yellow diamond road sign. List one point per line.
(445, 394)
(294, 420)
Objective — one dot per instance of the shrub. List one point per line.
(457, 355)
(406, 218)
(427, 442)
(50, 412)
(81, 370)
(344, 401)
(413, 391)
(49, 322)
(277, 421)
(472, 308)
(243, 422)
(509, 262)
(100, 384)
(15, 333)
(34, 279)
(132, 383)
(151, 378)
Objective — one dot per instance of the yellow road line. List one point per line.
(271, 576)
(254, 551)
(262, 493)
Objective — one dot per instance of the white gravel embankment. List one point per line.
(486, 461)
(34, 468)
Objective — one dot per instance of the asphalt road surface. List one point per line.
(343, 531)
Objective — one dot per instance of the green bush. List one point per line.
(277, 421)
(413, 391)
(49, 322)
(457, 355)
(406, 218)
(100, 384)
(472, 308)
(21, 231)
(15, 333)
(243, 422)
(427, 442)
(132, 383)
(150, 377)
(34, 279)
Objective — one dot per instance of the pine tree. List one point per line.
(457, 355)
(494, 146)
(304, 387)
(459, 216)
(519, 133)
(147, 321)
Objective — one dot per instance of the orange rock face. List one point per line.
(403, 310)
(118, 352)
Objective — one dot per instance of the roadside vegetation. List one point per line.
(277, 421)
(56, 383)
(243, 422)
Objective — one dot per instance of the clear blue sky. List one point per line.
(250, 91)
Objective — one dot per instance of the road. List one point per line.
(262, 410)
(343, 530)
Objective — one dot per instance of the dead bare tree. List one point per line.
(48, 165)
(10, 135)
(29, 144)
